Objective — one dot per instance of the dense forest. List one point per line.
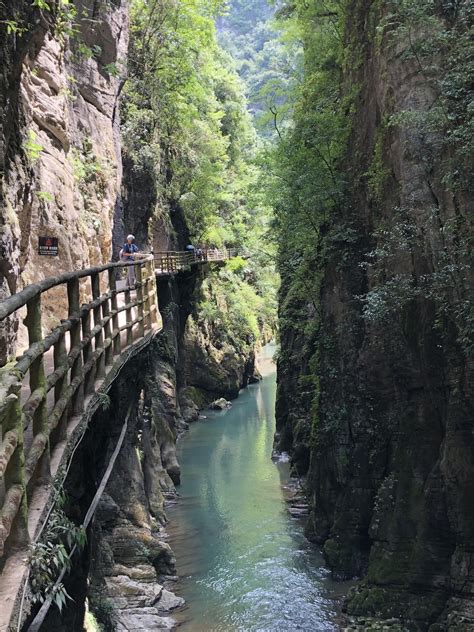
(189, 145)
(330, 143)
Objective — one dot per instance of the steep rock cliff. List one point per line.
(218, 344)
(390, 402)
(61, 152)
(121, 575)
(215, 367)
(295, 390)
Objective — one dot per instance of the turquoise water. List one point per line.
(243, 562)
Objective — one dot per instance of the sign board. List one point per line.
(48, 246)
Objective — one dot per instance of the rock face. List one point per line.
(61, 155)
(389, 404)
(215, 367)
(130, 559)
(294, 401)
(124, 575)
(207, 366)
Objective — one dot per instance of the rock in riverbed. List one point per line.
(220, 404)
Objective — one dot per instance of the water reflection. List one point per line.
(244, 563)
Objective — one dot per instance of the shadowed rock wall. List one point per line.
(390, 417)
(121, 574)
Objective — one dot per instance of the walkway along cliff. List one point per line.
(92, 148)
(93, 399)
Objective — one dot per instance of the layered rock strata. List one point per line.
(214, 367)
(61, 158)
(122, 579)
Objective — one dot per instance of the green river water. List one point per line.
(243, 561)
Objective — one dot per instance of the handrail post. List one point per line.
(108, 339)
(128, 317)
(14, 519)
(154, 300)
(149, 270)
(60, 360)
(99, 336)
(89, 377)
(155, 314)
(77, 365)
(38, 382)
(139, 299)
(115, 318)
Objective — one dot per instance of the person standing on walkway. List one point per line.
(127, 254)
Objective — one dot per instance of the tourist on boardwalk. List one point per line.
(190, 249)
(127, 254)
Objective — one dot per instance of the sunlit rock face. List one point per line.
(62, 162)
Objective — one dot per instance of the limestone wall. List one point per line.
(62, 163)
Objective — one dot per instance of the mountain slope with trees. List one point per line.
(189, 161)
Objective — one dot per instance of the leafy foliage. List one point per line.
(184, 115)
(59, 14)
(32, 147)
(49, 556)
(268, 65)
(300, 173)
(238, 308)
(186, 125)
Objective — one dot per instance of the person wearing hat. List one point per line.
(127, 254)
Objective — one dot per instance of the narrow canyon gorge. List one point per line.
(298, 178)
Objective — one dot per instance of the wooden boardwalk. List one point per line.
(50, 392)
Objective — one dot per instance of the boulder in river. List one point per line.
(220, 404)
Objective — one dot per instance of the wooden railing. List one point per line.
(73, 335)
(51, 382)
(170, 262)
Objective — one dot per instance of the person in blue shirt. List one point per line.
(127, 254)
